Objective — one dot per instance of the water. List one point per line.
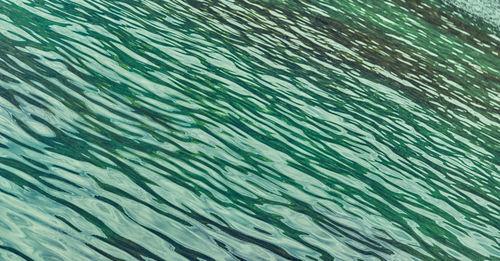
(249, 130)
(486, 10)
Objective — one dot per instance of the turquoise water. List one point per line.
(249, 130)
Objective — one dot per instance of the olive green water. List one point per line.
(249, 130)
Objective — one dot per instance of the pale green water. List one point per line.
(249, 130)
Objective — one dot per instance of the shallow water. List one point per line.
(249, 130)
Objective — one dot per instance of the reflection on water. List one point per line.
(248, 130)
(486, 10)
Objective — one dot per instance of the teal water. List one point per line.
(249, 130)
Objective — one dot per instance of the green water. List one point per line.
(249, 130)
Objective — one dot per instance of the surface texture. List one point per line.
(249, 129)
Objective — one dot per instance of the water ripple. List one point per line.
(248, 130)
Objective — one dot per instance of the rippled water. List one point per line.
(249, 130)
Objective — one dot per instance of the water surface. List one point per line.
(249, 130)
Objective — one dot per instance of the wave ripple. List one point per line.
(248, 130)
